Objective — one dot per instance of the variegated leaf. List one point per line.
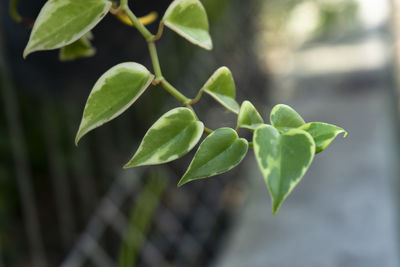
(221, 151)
(283, 117)
(221, 87)
(171, 137)
(283, 159)
(189, 19)
(249, 117)
(62, 22)
(323, 133)
(113, 93)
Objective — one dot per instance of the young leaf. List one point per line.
(323, 133)
(249, 117)
(283, 159)
(170, 138)
(113, 93)
(221, 87)
(62, 22)
(189, 19)
(145, 20)
(283, 116)
(81, 48)
(219, 152)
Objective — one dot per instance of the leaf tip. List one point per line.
(26, 52)
(79, 135)
(30, 48)
(275, 207)
(131, 164)
(182, 181)
(208, 46)
(77, 138)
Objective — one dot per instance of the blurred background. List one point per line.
(335, 61)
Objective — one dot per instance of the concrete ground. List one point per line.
(344, 211)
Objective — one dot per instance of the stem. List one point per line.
(207, 131)
(123, 4)
(154, 60)
(14, 11)
(150, 38)
(159, 32)
(197, 98)
(141, 28)
(174, 92)
(153, 54)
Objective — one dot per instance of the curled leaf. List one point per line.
(322, 133)
(145, 20)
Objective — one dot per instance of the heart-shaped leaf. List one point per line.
(170, 138)
(221, 87)
(283, 159)
(248, 116)
(113, 93)
(189, 19)
(221, 151)
(81, 48)
(283, 117)
(62, 22)
(323, 133)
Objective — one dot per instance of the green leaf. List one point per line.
(81, 48)
(322, 133)
(283, 159)
(189, 19)
(283, 117)
(221, 87)
(113, 93)
(62, 22)
(249, 117)
(170, 138)
(221, 151)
